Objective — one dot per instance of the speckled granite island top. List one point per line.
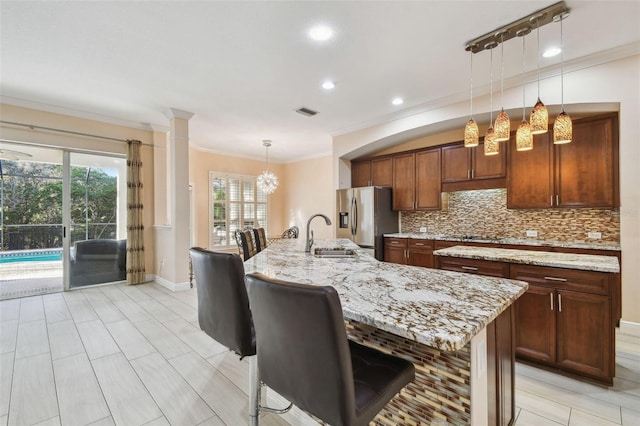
(586, 262)
(440, 309)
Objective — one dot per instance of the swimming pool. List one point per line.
(31, 256)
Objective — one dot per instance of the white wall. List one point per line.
(615, 83)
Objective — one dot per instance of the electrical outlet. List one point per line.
(532, 233)
(423, 229)
(594, 235)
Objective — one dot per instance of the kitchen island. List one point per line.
(456, 328)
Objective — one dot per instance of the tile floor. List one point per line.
(134, 355)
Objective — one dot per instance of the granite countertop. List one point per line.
(513, 241)
(441, 309)
(585, 262)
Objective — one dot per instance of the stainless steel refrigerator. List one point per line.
(364, 215)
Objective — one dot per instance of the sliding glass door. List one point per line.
(62, 219)
(98, 245)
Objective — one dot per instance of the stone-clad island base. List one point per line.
(456, 328)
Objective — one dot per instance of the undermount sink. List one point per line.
(333, 252)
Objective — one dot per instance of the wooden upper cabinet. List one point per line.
(360, 173)
(404, 181)
(468, 168)
(583, 173)
(489, 166)
(456, 163)
(382, 172)
(428, 175)
(530, 176)
(586, 170)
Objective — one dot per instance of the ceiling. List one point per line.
(243, 67)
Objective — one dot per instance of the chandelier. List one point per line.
(267, 181)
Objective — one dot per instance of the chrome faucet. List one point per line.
(309, 243)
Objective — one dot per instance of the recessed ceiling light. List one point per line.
(328, 85)
(397, 101)
(551, 52)
(321, 33)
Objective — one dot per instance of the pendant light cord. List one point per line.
(561, 67)
(502, 71)
(538, 53)
(471, 84)
(491, 90)
(523, 82)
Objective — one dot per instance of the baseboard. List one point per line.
(631, 328)
(171, 285)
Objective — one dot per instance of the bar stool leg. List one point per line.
(254, 391)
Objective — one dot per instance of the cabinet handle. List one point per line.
(551, 300)
(468, 174)
(562, 280)
(559, 303)
(551, 200)
(406, 253)
(419, 244)
(469, 268)
(557, 202)
(472, 173)
(395, 242)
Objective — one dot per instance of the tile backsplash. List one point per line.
(484, 213)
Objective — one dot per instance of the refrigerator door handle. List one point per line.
(351, 216)
(355, 216)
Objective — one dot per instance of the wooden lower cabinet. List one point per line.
(409, 251)
(572, 331)
(536, 324)
(501, 368)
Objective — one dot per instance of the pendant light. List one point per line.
(502, 125)
(562, 127)
(524, 138)
(471, 133)
(491, 146)
(539, 115)
(267, 181)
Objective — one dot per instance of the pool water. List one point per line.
(34, 256)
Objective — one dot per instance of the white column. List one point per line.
(176, 255)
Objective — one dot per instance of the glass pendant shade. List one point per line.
(524, 138)
(562, 129)
(491, 145)
(267, 182)
(471, 134)
(539, 118)
(502, 127)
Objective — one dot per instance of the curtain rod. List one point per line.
(33, 126)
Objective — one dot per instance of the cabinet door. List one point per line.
(456, 162)
(428, 175)
(530, 176)
(360, 174)
(404, 182)
(536, 324)
(489, 166)
(584, 334)
(586, 169)
(474, 266)
(420, 252)
(395, 255)
(382, 172)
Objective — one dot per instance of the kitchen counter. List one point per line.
(456, 328)
(511, 241)
(584, 262)
(441, 309)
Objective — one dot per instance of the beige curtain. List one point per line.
(135, 228)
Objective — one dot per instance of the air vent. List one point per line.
(306, 111)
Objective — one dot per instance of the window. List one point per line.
(235, 202)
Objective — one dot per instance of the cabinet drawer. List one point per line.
(569, 279)
(396, 242)
(418, 244)
(474, 266)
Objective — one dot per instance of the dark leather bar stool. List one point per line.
(246, 246)
(260, 238)
(223, 312)
(305, 356)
